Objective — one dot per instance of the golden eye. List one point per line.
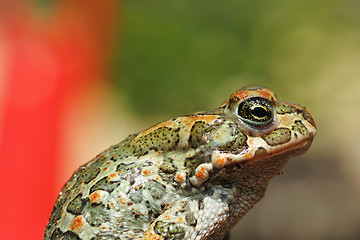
(256, 111)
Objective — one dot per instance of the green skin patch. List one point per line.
(278, 136)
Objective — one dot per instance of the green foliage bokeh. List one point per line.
(176, 56)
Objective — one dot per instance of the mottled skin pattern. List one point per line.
(191, 177)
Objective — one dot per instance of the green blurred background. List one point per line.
(169, 58)
(168, 51)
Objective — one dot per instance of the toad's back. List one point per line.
(191, 177)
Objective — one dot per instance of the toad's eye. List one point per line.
(256, 111)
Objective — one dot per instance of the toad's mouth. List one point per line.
(295, 149)
(256, 154)
(290, 150)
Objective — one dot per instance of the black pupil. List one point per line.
(259, 112)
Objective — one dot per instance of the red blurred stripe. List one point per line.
(47, 63)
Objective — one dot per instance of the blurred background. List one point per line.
(78, 76)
